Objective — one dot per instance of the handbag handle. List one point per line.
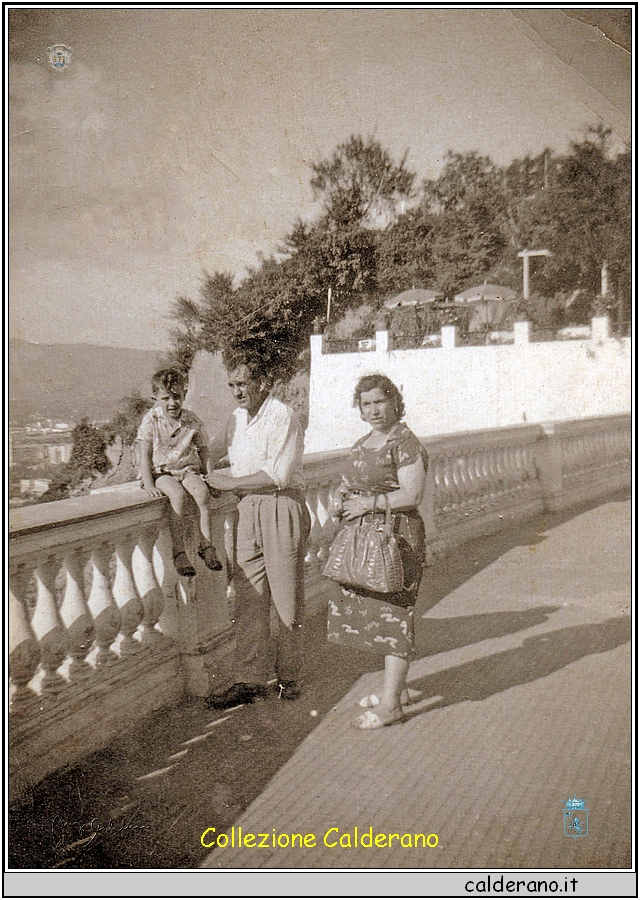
(387, 507)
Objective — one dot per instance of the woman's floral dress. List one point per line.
(383, 623)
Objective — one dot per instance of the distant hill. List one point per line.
(66, 382)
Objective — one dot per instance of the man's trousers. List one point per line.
(270, 547)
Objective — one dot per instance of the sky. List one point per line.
(179, 140)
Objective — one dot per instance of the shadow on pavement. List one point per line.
(461, 564)
(538, 656)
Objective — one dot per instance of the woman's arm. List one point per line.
(337, 504)
(411, 478)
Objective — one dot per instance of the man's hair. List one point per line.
(258, 370)
(370, 383)
(170, 379)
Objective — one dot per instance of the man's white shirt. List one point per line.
(271, 442)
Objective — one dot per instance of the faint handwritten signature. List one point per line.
(69, 834)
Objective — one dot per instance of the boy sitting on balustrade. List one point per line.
(174, 456)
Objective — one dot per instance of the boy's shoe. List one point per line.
(208, 554)
(183, 566)
(238, 693)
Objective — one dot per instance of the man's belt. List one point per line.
(296, 494)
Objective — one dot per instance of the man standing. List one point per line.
(265, 444)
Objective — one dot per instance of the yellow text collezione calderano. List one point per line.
(332, 837)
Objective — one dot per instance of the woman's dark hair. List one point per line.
(370, 383)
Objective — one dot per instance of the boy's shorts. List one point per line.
(178, 474)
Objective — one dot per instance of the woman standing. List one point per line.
(388, 465)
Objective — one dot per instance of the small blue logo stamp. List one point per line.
(59, 57)
(576, 818)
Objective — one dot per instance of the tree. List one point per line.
(361, 189)
(360, 183)
(88, 457)
(584, 218)
(468, 209)
(271, 313)
(405, 257)
(203, 323)
(127, 420)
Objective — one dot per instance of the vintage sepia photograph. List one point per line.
(319, 398)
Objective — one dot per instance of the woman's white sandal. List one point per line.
(372, 700)
(371, 720)
(368, 701)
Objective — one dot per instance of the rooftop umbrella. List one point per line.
(492, 306)
(413, 297)
(485, 293)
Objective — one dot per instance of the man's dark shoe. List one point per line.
(288, 690)
(207, 552)
(241, 692)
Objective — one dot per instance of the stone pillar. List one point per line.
(449, 333)
(316, 346)
(382, 341)
(599, 328)
(548, 459)
(521, 333)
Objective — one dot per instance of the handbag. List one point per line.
(366, 556)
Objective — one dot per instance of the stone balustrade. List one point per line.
(102, 628)
(103, 631)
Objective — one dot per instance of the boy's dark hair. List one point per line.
(169, 379)
(371, 382)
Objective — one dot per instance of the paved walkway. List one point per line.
(521, 697)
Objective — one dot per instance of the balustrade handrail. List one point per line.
(76, 510)
(317, 467)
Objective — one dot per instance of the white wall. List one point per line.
(471, 388)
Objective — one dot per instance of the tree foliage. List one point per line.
(376, 235)
(360, 182)
(88, 457)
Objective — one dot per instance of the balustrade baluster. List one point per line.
(470, 473)
(106, 615)
(486, 474)
(494, 472)
(324, 519)
(446, 482)
(315, 533)
(24, 652)
(126, 595)
(442, 484)
(475, 482)
(520, 465)
(462, 485)
(502, 465)
(478, 478)
(75, 615)
(47, 626)
(150, 592)
(513, 482)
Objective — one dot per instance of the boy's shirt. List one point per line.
(175, 443)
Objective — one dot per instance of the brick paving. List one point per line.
(521, 699)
